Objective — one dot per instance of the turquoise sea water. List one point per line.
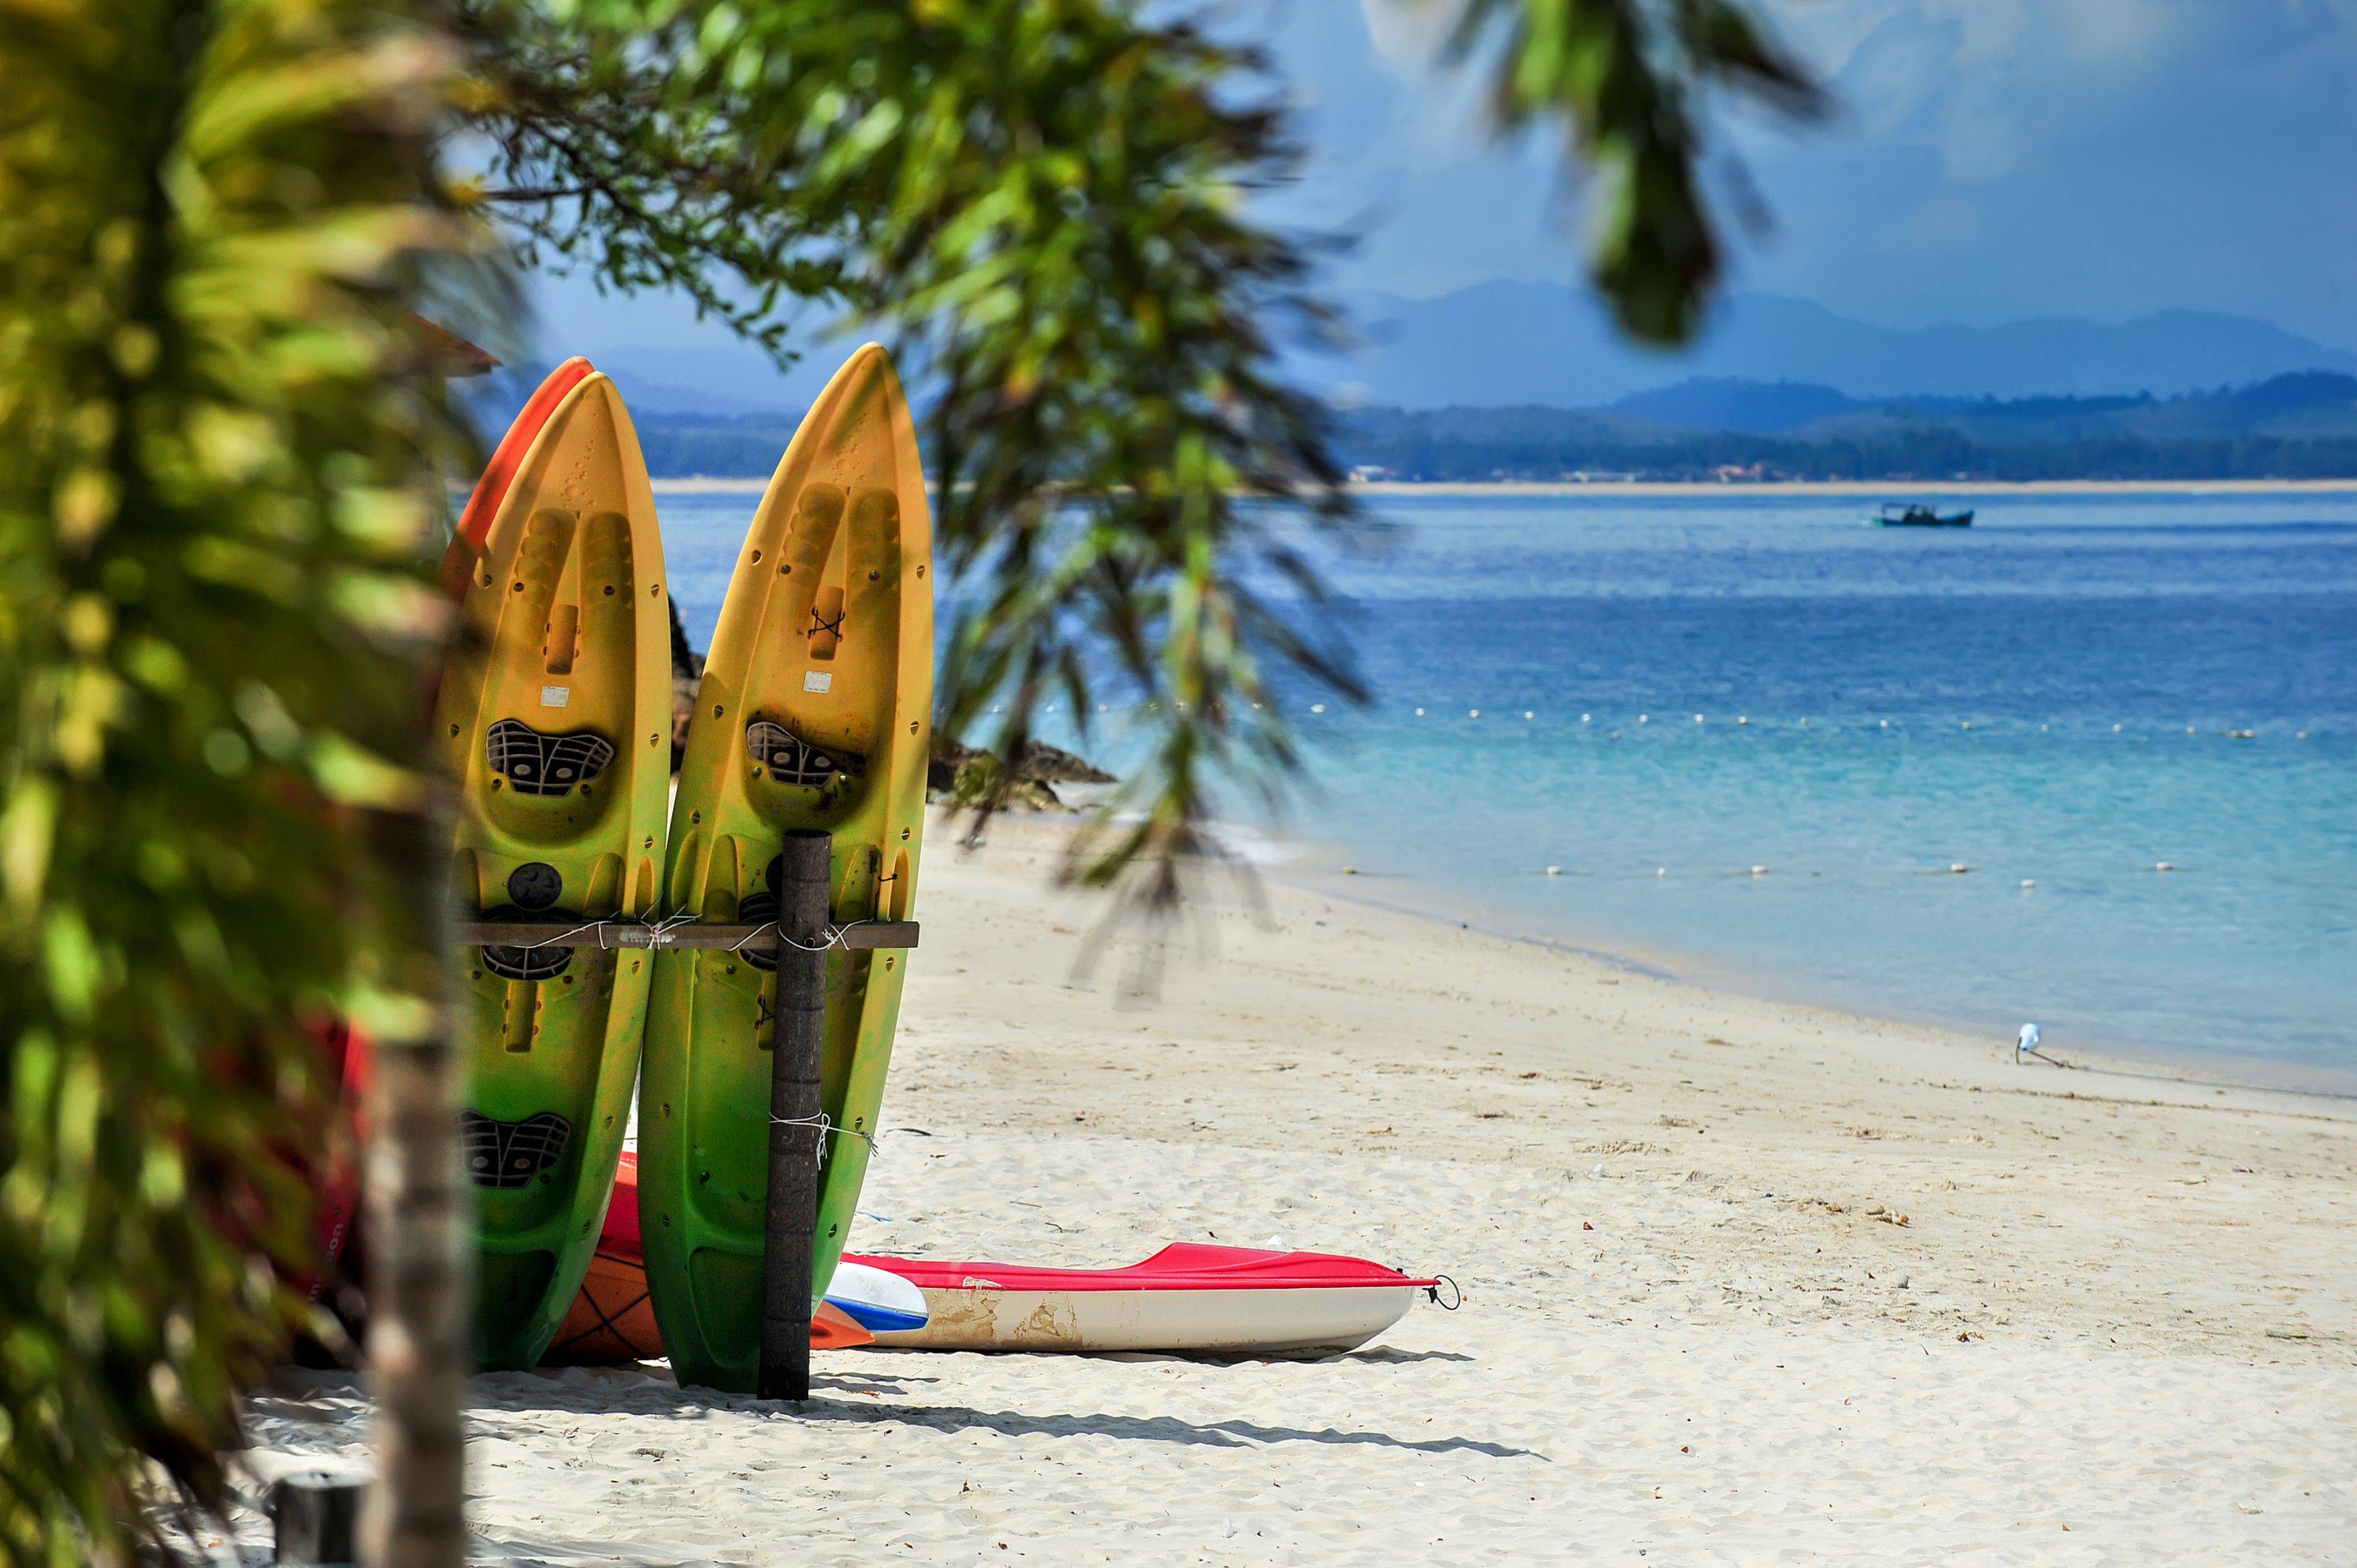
(1876, 706)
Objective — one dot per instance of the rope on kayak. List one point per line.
(566, 937)
(598, 929)
(1455, 1292)
(673, 921)
(830, 938)
(823, 1125)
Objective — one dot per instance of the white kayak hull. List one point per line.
(1279, 1322)
(875, 1300)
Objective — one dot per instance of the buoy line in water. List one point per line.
(1741, 720)
(1537, 720)
(1954, 869)
(1745, 721)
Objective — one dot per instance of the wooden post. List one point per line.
(795, 1140)
(312, 1518)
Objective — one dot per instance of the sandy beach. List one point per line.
(1745, 1282)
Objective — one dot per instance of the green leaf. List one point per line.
(27, 830)
(70, 963)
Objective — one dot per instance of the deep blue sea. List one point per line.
(1656, 695)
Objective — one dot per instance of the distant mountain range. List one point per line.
(1501, 344)
(2301, 426)
(1548, 345)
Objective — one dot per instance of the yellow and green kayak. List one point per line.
(815, 714)
(555, 712)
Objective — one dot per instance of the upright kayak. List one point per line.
(815, 712)
(556, 716)
(337, 1218)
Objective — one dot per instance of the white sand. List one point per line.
(2115, 1327)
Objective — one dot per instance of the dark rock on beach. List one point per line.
(966, 775)
(1053, 764)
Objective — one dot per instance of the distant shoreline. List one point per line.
(1877, 489)
(1894, 489)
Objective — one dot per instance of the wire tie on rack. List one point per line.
(824, 1124)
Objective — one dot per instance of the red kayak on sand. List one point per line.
(1182, 1266)
(1186, 1297)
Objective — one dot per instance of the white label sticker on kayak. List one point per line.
(816, 680)
(554, 697)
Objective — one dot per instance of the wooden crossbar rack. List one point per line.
(860, 936)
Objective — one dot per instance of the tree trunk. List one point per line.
(416, 1211)
(420, 1293)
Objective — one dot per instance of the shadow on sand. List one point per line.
(1148, 1429)
(1384, 1356)
(863, 1398)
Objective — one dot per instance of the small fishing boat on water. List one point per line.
(1896, 514)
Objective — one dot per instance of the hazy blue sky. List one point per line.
(1993, 159)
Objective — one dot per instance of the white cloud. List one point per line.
(1987, 83)
(1982, 81)
(1439, 117)
(1407, 34)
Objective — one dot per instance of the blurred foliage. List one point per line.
(1046, 201)
(213, 419)
(1623, 78)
